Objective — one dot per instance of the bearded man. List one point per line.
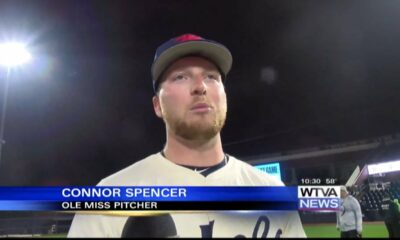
(188, 75)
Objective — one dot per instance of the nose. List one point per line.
(199, 87)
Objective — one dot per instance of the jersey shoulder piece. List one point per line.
(132, 174)
(154, 170)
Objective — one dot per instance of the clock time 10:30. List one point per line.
(318, 181)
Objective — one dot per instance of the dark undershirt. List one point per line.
(205, 171)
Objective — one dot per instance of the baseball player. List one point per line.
(188, 75)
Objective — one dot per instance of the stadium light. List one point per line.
(11, 54)
(384, 167)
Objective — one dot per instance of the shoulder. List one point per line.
(353, 200)
(132, 173)
(251, 174)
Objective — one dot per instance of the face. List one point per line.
(343, 194)
(192, 99)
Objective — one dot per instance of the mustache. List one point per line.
(198, 100)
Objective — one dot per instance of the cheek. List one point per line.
(165, 105)
(171, 103)
(220, 98)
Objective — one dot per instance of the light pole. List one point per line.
(11, 55)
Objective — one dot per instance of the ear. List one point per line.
(157, 106)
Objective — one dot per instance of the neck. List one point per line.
(194, 152)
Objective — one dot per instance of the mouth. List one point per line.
(201, 108)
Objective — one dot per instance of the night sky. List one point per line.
(305, 74)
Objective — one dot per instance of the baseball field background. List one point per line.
(370, 230)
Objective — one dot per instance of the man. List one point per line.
(388, 215)
(188, 73)
(391, 215)
(396, 214)
(349, 218)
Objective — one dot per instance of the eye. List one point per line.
(180, 77)
(213, 76)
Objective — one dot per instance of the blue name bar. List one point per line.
(150, 193)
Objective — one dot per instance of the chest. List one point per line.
(249, 225)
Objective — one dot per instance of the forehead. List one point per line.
(192, 61)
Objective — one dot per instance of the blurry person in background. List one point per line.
(391, 214)
(396, 210)
(386, 201)
(349, 218)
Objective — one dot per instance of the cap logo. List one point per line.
(188, 37)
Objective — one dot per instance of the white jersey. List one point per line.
(156, 170)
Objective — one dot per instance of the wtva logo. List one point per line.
(317, 198)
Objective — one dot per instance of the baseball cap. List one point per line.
(189, 44)
(343, 188)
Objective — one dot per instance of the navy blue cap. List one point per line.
(189, 44)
